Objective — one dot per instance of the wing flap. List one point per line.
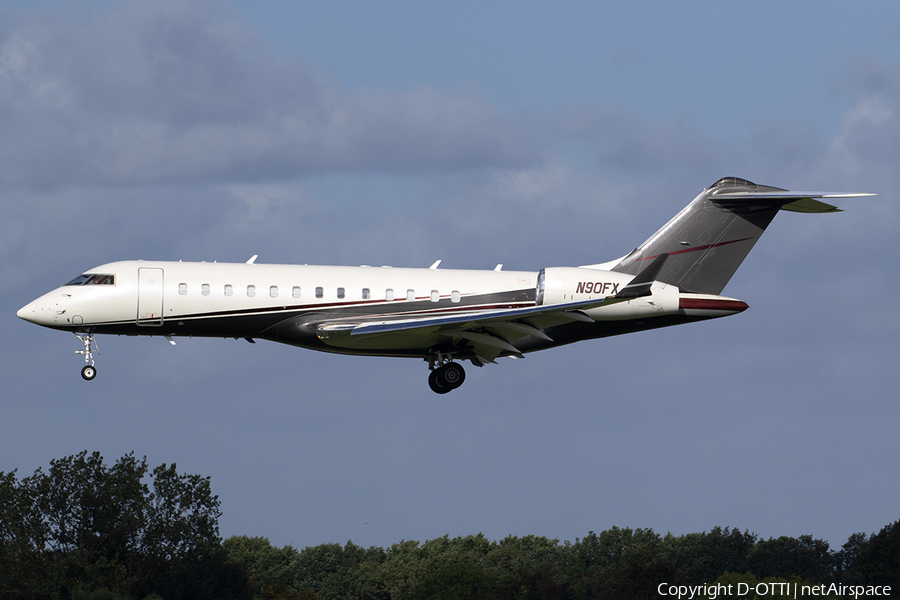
(491, 341)
(566, 312)
(513, 330)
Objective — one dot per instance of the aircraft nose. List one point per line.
(27, 312)
(36, 312)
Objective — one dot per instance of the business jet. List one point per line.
(443, 316)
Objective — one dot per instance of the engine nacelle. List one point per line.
(573, 284)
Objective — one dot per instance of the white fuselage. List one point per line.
(164, 294)
(289, 303)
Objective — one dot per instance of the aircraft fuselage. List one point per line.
(441, 315)
(289, 303)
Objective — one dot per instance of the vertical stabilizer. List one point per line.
(708, 240)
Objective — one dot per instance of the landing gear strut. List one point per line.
(445, 377)
(89, 371)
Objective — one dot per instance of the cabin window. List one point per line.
(251, 290)
(295, 291)
(182, 289)
(435, 296)
(454, 296)
(320, 292)
(410, 295)
(273, 291)
(340, 292)
(389, 294)
(366, 294)
(228, 289)
(204, 289)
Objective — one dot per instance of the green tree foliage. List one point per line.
(698, 558)
(846, 560)
(270, 569)
(461, 578)
(526, 566)
(22, 530)
(750, 587)
(84, 527)
(878, 561)
(88, 530)
(331, 570)
(617, 563)
(804, 557)
(338, 572)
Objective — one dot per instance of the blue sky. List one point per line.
(515, 133)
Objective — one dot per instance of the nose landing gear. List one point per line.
(89, 371)
(446, 377)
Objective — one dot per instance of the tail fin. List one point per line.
(708, 240)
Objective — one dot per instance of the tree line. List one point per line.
(87, 530)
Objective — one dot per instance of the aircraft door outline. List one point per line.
(150, 297)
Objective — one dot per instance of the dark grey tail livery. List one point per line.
(641, 285)
(708, 240)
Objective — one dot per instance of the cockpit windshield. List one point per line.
(93, 279)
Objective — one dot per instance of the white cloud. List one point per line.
(165, 92)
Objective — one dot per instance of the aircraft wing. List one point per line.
(484, 334)
(570, 311)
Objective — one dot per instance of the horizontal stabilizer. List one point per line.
(803, 202)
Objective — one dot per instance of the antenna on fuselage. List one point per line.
(252, 259)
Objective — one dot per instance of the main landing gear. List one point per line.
(445, 377)
(89, 371)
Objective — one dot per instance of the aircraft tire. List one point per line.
(452, 375)
(434, 383)
(88, 372)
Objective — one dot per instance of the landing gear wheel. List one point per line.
(446, 378)
(87, 338)
(453, 375)
(435, 384)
